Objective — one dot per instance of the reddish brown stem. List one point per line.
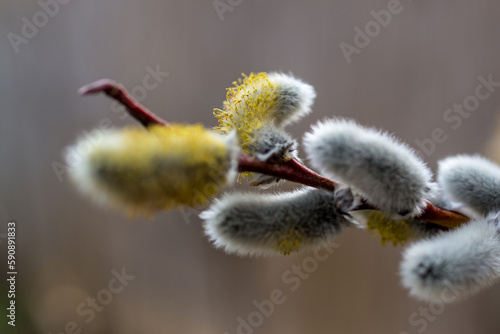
(292, 170)
(450, 219)
(431, 214)
(120, 94)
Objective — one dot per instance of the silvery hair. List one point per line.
(471, 180)
(249, 224)
(387, 172)
(455, 264)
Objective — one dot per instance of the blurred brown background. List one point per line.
(427, 58)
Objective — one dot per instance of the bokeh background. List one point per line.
(426, 59)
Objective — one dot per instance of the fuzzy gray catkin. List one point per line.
(249, 224)
(295, 98)
(471, 180)
(456, 264)
(387, 172)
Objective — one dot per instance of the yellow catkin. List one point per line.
(389, 230)
(161, 168)
(248, 106)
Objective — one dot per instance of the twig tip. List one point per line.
(98, 86)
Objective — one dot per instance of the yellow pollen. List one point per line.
(389, 230)
(290, 241)
(248, 106)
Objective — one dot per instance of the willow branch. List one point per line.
(291, 170)
(120, 94)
